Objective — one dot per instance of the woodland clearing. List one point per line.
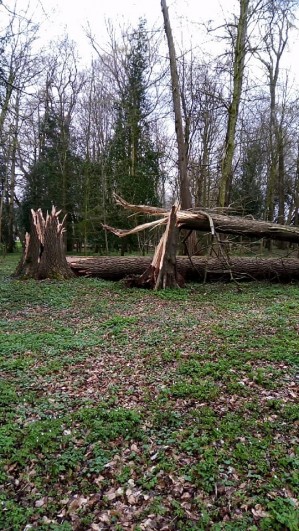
(132, 409)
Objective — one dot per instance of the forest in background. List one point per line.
(72, 136)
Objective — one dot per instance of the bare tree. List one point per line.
(275, 27)
(182, 133)
(204, 112)
(239, 54)
(95, 115)
(19, 70)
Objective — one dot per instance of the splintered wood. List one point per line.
(162, 272)
(210, 221)
(44, 255)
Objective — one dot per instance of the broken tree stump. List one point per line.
(162, 272)
(44, 256)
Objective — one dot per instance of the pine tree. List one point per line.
(133, 161)
(52, 179)
(247, 190)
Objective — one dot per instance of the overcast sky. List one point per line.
(187, 19)
(72, 16)
(74, 13)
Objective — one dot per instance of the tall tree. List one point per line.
(18, 70)
(247, 194)
(95, 117)
(53, 173)
(275, 28)
(46, 185)
(239, 54)
(205, 114)
(182, 133)
(133, 161)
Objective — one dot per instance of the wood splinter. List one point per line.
(44, 256)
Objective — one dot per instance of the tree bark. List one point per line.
(182, 142)
(43, 255)
(205, 268)
(162, 272)
(238, 226)
(200, 220)
(117, 268)
(233, 111)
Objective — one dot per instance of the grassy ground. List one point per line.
(131, 410)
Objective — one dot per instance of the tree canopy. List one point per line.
(73, 136)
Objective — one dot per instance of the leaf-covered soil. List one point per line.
(132, 410)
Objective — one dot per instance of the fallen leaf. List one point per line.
(259, 512)
(40, 503)
(47, 520)
(110, 495)
(76, 504)
(104, 518)
(134, 448)
(132, 500)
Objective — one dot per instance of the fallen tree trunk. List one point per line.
(201, 220)
(238, 226)
(116, 268)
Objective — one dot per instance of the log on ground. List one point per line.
(248, 268)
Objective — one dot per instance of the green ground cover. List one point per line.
(126, 409)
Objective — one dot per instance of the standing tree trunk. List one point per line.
(11, 206)
(182, 133)
(43, 255)
(233, 111)
(165, 265)
(182, 142)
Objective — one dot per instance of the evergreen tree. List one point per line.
(247, 190)
(52, 179)
(133, 161)
(92, 206)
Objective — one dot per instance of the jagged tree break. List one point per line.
(44, 255)
(163, 273)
